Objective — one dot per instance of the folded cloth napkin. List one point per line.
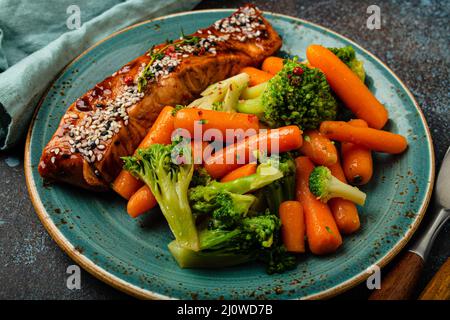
(38, 38)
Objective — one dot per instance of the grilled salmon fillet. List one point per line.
(109, 121)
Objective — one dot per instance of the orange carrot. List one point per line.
(373, 139)
(140, 202)
(292, 226)
(357, 160)
(125, 184)
(162, 129)
(318, 148)
(243, 171)
(344, 211)
(349, 88)
(321, 229)
(268, 141)
(219, 120)
(256, 76)
(272, 65)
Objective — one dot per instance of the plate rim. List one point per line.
(135, 291)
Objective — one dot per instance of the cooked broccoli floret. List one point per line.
(265, 174)
(226, 202)
(325, 186)
(277, 259)
(200, 177)
(284, 188)
(208, 259)
(225, 208)
(348, 56)
(169, 183)
(296, 95)
(254, 238)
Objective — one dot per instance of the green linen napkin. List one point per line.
(38, 38)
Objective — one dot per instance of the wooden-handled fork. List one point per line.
(399, 284)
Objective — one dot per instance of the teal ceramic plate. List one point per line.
(132, 255)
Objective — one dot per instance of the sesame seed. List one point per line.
(101, 124)
(242, 25)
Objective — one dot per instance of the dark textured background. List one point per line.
(413, 41)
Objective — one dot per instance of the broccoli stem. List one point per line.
(234, 90)
(280, 191)
(207, 259)
(265, 175)
(339, 189)
(274, 196)
(254, 92)
(289, 187)
(169, 184)
(252, 106)
(174, 204)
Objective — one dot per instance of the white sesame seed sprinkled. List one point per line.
(101, 123)
(244, 24)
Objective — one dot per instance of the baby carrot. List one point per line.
(125, 184)
(373, 139)
(349, 88)
(321, 229)
(256, 76)
(357, 160)
(318, 148)
(140, 202)
(218, 120)
(243, 171)
(292, 226)
(242, 152)
(162, 129)
(344, 211)
(272, 65)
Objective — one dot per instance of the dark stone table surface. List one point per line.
(413, 40)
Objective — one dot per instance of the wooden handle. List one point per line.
(401, 281)
(439, 287)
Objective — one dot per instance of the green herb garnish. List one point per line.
(155, 55)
